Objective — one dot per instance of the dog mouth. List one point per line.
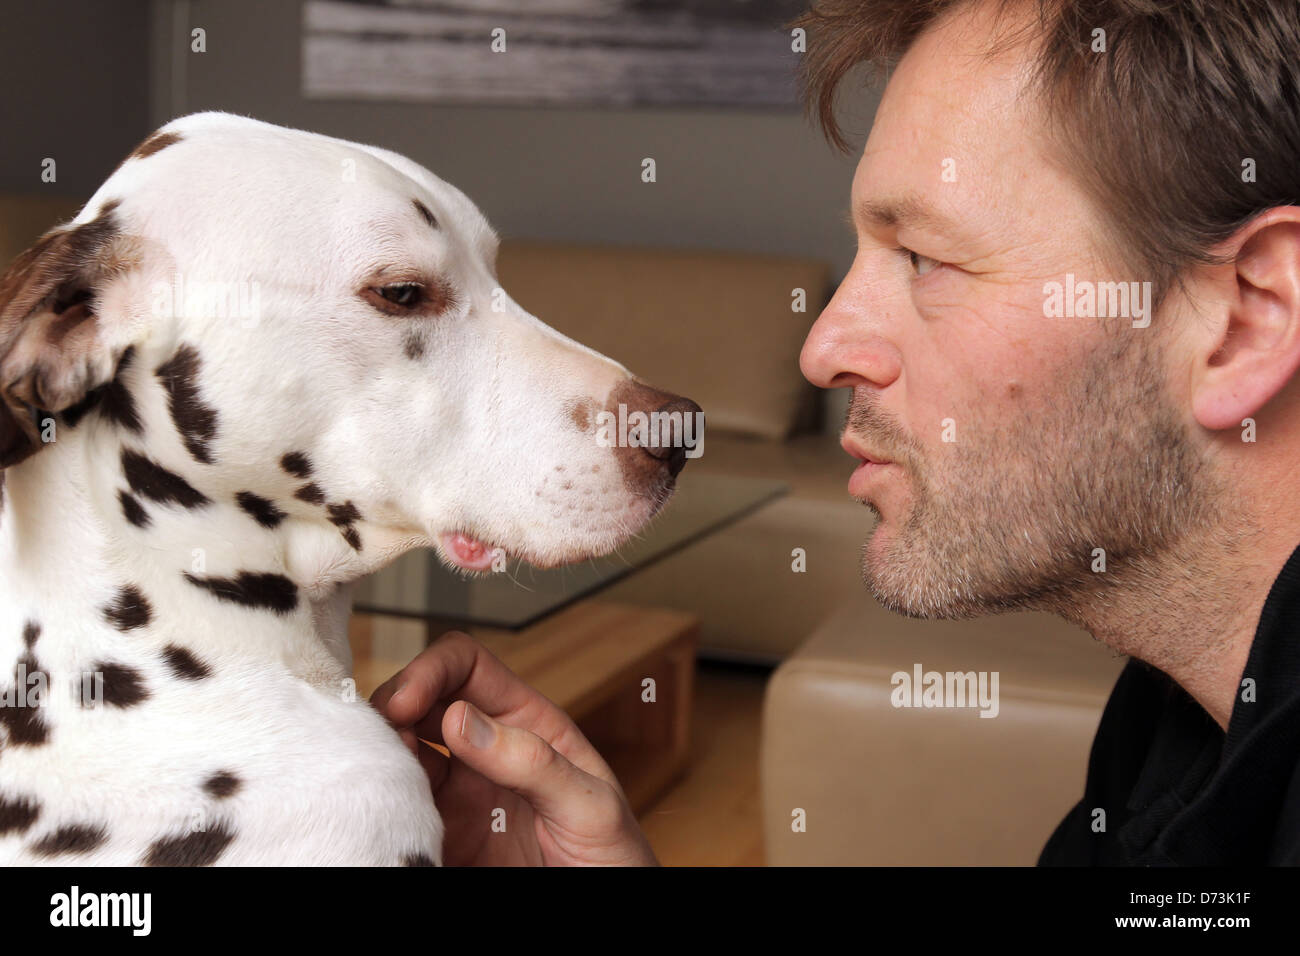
(469, 553)
(464, 550)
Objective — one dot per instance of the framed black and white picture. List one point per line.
(561, 52)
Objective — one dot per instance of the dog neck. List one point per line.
(202, 576)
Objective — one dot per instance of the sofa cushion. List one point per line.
(716, 327)
(881, 784)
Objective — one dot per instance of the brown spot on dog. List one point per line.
(116, 403)
(17, 814)
(413, 344)
(425, 214)
(263, 511)
(580, 414)
(151, 480)
(272, 592)
(129, 610)
(344, 514)
(297, 464)
(123, 686)
(201, 848)
(311, 494)
(22, 718)
(73, 838)
(72, 416)
(25, 725)
(155, 143)
(222, 784)
(184, 664)
(417, 859)
(132, 509)
(196, 422)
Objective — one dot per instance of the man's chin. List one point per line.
(883, 570)
(909, 583)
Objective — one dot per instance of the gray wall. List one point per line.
(751, 181)
(75, 82)
(86, 80)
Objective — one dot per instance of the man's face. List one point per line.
(1017, 443)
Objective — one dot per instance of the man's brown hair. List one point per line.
(1158, 128)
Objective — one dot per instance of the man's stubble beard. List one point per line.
(1010, 515)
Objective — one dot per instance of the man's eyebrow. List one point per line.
(905, 211)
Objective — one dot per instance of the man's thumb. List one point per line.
(520, 761)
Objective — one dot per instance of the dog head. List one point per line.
(313, 329)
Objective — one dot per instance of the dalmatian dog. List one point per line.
(260, 364)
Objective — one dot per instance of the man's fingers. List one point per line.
(439, 670)
(457, 667)
(523, 762)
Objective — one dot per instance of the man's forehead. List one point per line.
(953, 124)
(926, 106)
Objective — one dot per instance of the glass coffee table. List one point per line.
(418, 585)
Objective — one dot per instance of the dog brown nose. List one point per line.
(656, 431)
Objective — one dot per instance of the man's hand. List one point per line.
(512, 750)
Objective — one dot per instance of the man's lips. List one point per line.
(856, 450)
(870, 464)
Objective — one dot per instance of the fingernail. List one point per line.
(401, 686)
(475, 728)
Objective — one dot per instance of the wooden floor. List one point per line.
(712, 816)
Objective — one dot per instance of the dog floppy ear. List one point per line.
(51, 353)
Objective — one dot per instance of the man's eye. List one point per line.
(405, 294)
(922, 265)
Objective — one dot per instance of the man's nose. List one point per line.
(659, 452)
(844, 349)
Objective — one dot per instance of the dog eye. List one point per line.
(405, 294)
(424, 298)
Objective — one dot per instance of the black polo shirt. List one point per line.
(1176, 789)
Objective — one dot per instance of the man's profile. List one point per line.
(1021, 149)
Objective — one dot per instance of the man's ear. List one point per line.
(1254, 352)
(51, 351)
